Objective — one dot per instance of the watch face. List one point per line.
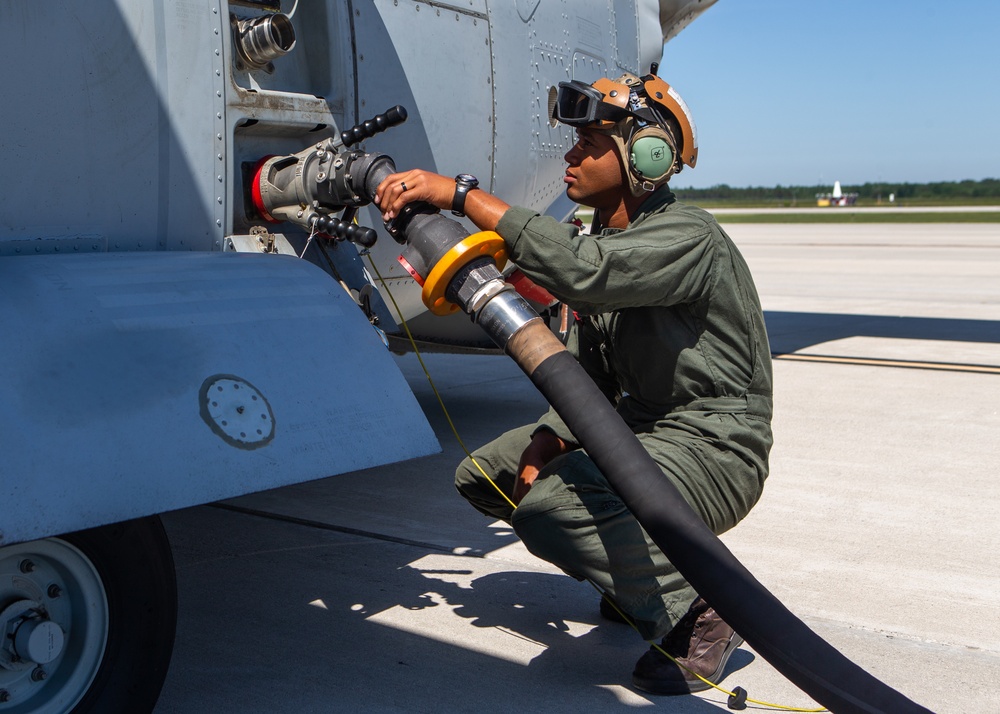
(467, 178)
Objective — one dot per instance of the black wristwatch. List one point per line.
(463, 184)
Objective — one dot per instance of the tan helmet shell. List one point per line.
(616, 92)
(667, 97)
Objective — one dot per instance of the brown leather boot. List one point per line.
(701, 641)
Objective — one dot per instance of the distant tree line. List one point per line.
(944, 191)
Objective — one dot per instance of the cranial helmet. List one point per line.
(650, 123)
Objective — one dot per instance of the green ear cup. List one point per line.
(652, 157)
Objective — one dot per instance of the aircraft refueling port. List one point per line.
(261, 40)
(310, 187)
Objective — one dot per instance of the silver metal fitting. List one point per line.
(471, 280)
(263, 39)
(503, 315)
(484, 294)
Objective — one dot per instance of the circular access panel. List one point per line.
(236, 411)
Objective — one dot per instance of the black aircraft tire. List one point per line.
(137, 570)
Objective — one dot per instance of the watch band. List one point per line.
(463, 184)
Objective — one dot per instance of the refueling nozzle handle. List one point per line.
(345, 230)
(378, 123)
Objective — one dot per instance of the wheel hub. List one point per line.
(53, 625)
(39, 640)
(29, 637)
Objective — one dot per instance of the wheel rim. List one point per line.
(48, 587)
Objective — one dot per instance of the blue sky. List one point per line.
(794, 92)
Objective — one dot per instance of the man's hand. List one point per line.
(483, 208)
(544, 447)
(416, 185)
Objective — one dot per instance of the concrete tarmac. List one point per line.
(383, 591)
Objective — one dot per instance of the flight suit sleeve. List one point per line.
(662, 261)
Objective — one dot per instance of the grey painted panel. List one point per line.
(105, 357)
(436, 61)
(112, 129)
(626, 40)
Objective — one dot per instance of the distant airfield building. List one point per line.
(837, 198)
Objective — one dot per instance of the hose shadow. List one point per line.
(792, 331)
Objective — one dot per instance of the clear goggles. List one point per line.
(578, 104)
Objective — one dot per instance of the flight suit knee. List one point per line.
(498, 459)
(557, 520)
(573, 519)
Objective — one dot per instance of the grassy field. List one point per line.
(846, 215)
(711, 204)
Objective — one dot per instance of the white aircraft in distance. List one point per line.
(163, 343)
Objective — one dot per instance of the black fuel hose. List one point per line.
(741, 600)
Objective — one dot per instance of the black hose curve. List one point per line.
(741, 600)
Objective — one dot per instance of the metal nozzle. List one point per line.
(264, 39)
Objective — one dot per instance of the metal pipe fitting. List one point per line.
(504, 315)
(264, 39)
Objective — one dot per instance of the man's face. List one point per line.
(594, 176)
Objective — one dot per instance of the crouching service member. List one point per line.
(669, 326)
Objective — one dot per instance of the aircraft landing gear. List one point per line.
(87, 620)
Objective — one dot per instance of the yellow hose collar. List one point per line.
(477, 245)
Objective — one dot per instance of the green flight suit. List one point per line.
(671, 329)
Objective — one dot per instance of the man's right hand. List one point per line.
(544, 447)
(484, 209)
(404, 187)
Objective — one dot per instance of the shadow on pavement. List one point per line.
(281, 617)
(793, 331)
